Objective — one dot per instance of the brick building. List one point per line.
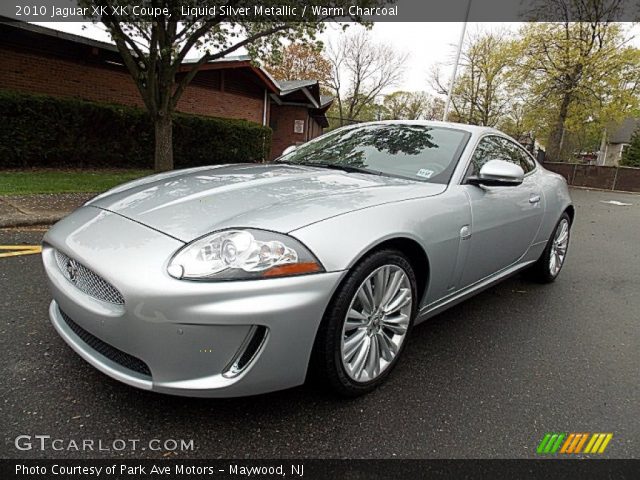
(36, 59)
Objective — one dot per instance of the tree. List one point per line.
(631, 154)
(360, 70)
(571, 64)
(301, 62)
(515, 122)
(154, 48)
(410, 106)
(482, 92)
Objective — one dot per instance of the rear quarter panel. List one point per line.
(557, 200)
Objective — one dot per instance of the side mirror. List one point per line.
(289, 149)
(498, 173)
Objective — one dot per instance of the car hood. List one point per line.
(190, 203)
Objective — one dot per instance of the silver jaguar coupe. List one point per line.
(241, 279)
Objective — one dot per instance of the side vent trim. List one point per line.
(249, 349)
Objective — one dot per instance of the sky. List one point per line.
(427, 44)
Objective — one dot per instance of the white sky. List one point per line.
(426, 43)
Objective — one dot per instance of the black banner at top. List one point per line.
(325, 10)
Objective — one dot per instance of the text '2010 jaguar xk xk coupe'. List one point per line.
(239, 279)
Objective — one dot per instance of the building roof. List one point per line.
(238, 61)
(297, 90)
(287, 86)
(320, 113)
(622, 132)
(303, 92)
(326, 100)
(38, 29)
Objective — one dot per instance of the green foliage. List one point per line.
(561, 83)
(27, 182)
(482, 95)
(631, 154)
(402, 105)
(579, 77)
(399, 105)
(43, 131)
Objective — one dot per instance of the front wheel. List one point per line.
(367, 324)
(548, 266)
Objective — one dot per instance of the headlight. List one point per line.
(242, 254)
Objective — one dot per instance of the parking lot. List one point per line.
(486, 379)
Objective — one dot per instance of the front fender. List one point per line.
(432, 222)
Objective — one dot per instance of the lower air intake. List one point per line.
(118, 356)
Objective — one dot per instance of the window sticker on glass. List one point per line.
(425, 173)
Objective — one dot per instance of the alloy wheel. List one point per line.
(376, 323)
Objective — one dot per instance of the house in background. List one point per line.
(35, 59)
(615, 140)
(285, 112)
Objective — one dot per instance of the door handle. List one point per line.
(534, 198)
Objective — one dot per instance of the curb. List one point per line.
(30, 221)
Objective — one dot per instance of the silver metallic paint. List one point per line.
(472, 237)
(501, 170)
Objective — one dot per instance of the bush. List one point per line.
(44, 131)
(631, 154)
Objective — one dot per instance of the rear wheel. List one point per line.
(548, 266)
(367, 324)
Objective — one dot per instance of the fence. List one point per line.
(594, 176)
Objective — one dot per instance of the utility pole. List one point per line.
(447, 104)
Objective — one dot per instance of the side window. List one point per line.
(489, 148)
(519, 156)
(498, 148)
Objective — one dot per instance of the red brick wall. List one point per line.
(203, 101)
(100, 82)
(33, 73)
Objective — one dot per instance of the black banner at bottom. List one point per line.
(316, 468)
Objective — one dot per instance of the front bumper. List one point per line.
(187, 333)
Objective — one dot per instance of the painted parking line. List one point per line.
(16, 250)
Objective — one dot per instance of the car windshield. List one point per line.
(417, 152)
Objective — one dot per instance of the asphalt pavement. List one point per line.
(486, 379)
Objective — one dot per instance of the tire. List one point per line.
(338, 341)
(543, 271)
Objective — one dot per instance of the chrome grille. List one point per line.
(87, 281)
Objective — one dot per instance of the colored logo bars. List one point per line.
(574, 442)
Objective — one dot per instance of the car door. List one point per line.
(505, 219)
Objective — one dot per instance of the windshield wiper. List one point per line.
(344, 168)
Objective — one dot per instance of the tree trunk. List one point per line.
(163, 158)
(554, 148)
